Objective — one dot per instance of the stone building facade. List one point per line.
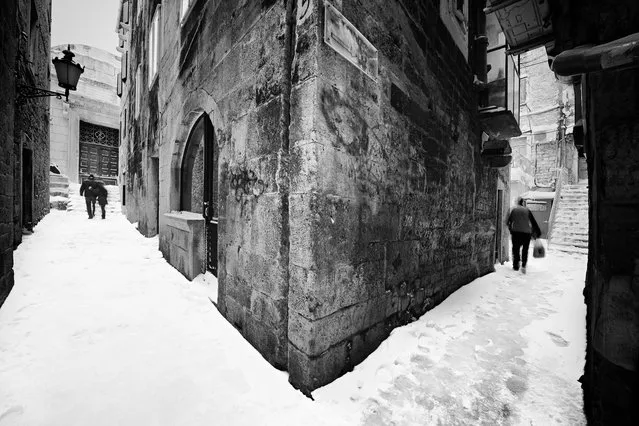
(321, 158)
(546, 145)
(24, 125)
(93, 110)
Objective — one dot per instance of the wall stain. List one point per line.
(337, 110)
(245, 182)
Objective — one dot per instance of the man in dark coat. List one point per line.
(88, 189)
(522, 226)
(102, 194)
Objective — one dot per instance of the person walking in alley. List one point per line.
(102, 194)
(88, 189)
(522, 226)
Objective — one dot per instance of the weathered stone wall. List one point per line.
(225, 60)
(31, 130)
(547, 117)
(23, 124)
(391, 209)
(376, 206)
(522, 167)
(95, 102)
(611, 380)
(8, 51)
(546, 158)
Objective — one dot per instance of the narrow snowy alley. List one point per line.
(100, 330)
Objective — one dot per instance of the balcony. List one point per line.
(499, 109)
(499, 103)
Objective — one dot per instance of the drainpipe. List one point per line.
(481, 55)
(282, 173)
(585, 59)
(289, 41)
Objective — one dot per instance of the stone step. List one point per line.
(574, 188)
(563, 228)
(58, 178)
(571, 194)
(578, 241)
(572, 199)
(570, 244)
(573, 209)
(577, 233)
(568, 249)
(572, 220)
(570, 227)
(58, 193)
(572, 213)
(579, 190)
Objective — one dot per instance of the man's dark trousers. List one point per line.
(103, 207)
(521, 241)
(90, 206)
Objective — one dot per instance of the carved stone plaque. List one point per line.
(346, 40)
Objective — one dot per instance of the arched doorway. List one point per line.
(199, 183)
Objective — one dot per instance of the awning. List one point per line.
(585, 59)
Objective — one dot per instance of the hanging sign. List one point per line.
(346, 40)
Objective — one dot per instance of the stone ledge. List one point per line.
(182, 220)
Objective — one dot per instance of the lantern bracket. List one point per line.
(28, 92)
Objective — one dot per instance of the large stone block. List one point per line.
(183, 243)
(315, 336)
(309, 373)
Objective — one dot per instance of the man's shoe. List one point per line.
(523, 270)
(516, 267)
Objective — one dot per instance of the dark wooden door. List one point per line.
(27, 188)
(100, 161)
(210, 207)
(98, 153)
(499, 228)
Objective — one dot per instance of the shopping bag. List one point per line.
(538, 249)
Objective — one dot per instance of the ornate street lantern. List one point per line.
(68, 73)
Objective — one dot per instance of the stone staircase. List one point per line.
(570, 228)
(77, 204)
(58, 191)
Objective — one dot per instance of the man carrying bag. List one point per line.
(522, 226)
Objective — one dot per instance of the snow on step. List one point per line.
(58, 191)
(77, 204)
(570, 227)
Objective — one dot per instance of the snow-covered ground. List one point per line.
(100, 330)
(506, 349)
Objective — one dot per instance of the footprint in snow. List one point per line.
(558, 340)
(16, 410)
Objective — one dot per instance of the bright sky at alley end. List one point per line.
(90, 22)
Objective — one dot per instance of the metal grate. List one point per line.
(100, 135)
